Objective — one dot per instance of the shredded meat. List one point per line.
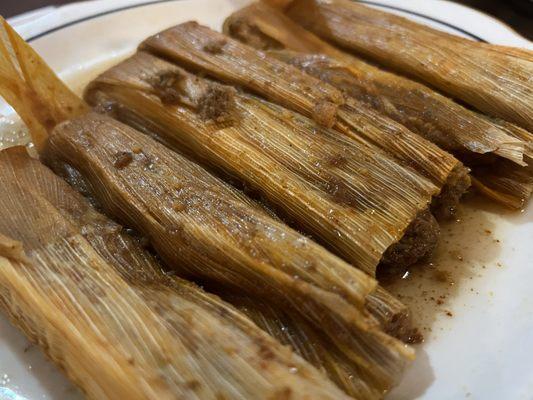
(418, 242)
(211, 100)
(167, 86)
(324, 113)
(218, 103)
(123, 159)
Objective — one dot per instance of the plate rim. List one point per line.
(51, 28)
(150, 3)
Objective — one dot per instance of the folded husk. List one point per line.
(309, 343)
(101, 308)
(203, 227)
(493, 79)
(519, 133)
(33, 82)
(191, 45)
(504, 181)
(470, 136)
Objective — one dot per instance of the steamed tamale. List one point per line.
(471, 137)
(101, 308)
(352, 199)
(492, 79)
(192, 46)
(204, 228)
(507, 163)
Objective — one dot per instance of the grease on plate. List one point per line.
(469, 247)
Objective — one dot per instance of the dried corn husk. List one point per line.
(33, 82)
(306, 341)
(509, 184)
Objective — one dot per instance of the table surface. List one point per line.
(506, 10)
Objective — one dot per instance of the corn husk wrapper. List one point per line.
(295, 332)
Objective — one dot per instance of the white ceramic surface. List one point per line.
(483, 352)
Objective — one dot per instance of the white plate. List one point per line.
(484, 351)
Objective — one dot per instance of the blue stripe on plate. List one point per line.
(374, 3)
(438, 21)
(94, 16)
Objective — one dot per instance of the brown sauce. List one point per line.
(468, 248)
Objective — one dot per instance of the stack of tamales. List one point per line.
(272, 168)
(355, 200)
(190, 45)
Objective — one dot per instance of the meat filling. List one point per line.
(418, 242)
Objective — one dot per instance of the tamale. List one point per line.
(204, 228)
(492, 79)
(191, 45)
(333, 188)
(471, 137)
(191, 217)
(498, 162)
(408, 107)
(101, 308)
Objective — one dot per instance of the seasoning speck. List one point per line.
(123, 159)
(215, 46)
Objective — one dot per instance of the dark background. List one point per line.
(516, 13)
